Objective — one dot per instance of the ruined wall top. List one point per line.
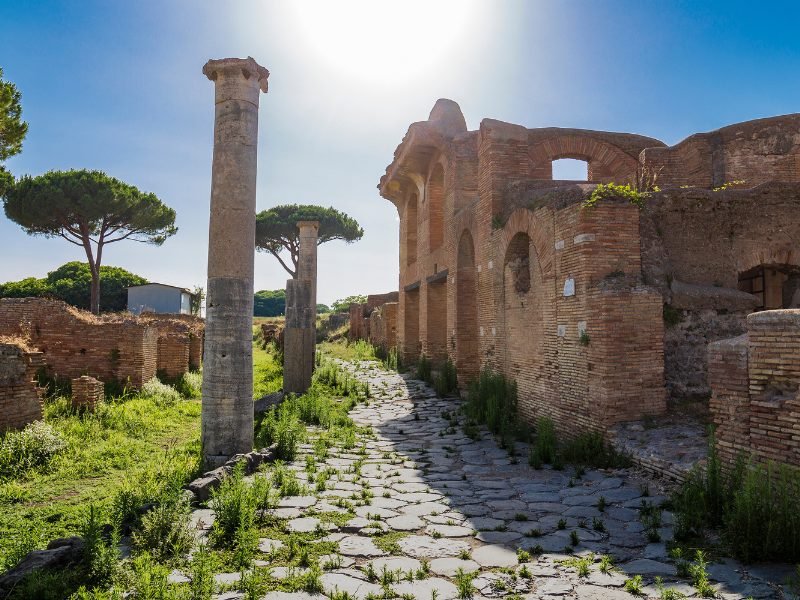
(752, 152)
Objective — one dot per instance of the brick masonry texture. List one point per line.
(20, 397)
(87, 393)
(756, 382)
(116, 347)
(502, 267)
(376, 320)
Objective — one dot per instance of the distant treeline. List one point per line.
(71, 283)
(272, 303)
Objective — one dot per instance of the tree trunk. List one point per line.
(94, 303)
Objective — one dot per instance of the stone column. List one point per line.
(307, 260)
(300, 335)
(227, 413)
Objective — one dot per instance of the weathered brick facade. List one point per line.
(20, 397)
(756, 389)
(111, 347)
(502, 267)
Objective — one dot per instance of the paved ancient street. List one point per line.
(457, 504)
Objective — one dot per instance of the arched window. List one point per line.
(435, 196)
(570, 169)
(518, 264)
(411, 229)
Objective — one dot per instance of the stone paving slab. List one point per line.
(449, 502)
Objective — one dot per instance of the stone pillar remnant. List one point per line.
(227, 413)
(300, 336)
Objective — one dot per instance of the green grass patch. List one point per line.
(267, 371)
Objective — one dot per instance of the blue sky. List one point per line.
(117, 85)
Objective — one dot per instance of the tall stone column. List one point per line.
(227, 410)
(307, 269)
(307, 259)
(299, 336)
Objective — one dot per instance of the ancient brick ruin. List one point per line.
(376, 320)
(20, 397)
(87, 393)
(113, 348)
(601, 314)
(756, 389)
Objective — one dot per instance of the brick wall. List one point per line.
(754, 151)
(20, 397)
(75, 343)
(755, 380)
(503, 218)
(383, 326)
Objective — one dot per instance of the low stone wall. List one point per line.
(74, 342)
(20, 397)
(755, 380)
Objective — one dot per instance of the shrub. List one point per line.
(100, 551)
(424, 369)
(492, 400)
(161, 393)
(31, 448)
(591, 449)
(446, 381)
(190, 385)
(546, 444)
(282, 427)
(165, 532)
(234, 504)
(755, 507)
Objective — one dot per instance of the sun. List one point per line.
(383, 41)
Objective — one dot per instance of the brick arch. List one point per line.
(607, 162)
(466, 309)
(524, 221)
(782, 254)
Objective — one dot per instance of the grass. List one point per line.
(753, 507)
(125, 440)
(357, 350)
(267, 371)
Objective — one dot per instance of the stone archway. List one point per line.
(466, 304)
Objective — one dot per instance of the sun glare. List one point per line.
(383, 41)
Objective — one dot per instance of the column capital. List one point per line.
(307, 224)
(247, 68)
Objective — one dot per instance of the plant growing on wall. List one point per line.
(276, 230)
(88, 209)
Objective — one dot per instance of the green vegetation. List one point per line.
(612, 190)
(492, 400)
(71, 282)
(634, 585)
(446, 380)
(277, 232)
(12, 128)
(343, 304)
(267, 370)
(129, 447)
(753, 506)
(89, 209)
(357, 350)
(269, 303)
